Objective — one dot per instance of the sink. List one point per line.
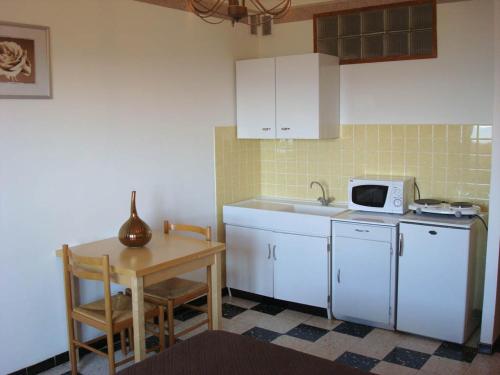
(300, 207)
(290, 216)
(310, 209)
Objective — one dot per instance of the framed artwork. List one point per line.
(24, 61)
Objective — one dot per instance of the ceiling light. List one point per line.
(216, 11)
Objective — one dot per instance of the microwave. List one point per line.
(391, 194)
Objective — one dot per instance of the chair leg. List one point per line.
(72, 350)
(161, 327)
(71, 344)
(171, 329)
(131, 338)
(123, 343)
(111, 353)
(209, 299)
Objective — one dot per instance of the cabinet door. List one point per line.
(361, 279)
(432, 281)
(297, 96)
(249, 263)
(255, 98)
(301, 269)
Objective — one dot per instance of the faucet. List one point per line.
(324, 200)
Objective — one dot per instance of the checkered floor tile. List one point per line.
(366, 348)
(353, 329)
(357, 361)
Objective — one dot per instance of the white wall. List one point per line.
(454, 88)
(490, 329)
(137, 91)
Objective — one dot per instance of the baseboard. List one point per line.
(99, 343)
(489, 348)
(485, 348)
(306, 309)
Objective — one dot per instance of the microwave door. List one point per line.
(370, 195)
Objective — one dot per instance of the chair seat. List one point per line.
(121, 308)
(173, 289)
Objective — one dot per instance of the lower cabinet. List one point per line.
(284, 266)
(364, 277)
(249, 264)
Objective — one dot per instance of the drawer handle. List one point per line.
(274, 252)
(269, 251)
(362, 230)
(266, 129)
(433, 232)
(401, 244)
(338, 276)
(285, 128)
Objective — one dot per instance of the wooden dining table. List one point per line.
(164, 257)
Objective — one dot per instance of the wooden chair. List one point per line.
(112, 314)
(177, 291)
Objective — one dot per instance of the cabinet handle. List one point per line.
(274, 252)
(285, 128)
(269, 251)
(362, 230)
(401, 244)
(338, 276)
(266, 129)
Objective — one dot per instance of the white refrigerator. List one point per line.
(437, 277)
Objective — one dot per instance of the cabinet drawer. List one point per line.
(362, 231)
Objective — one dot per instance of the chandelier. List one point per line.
(216, 11)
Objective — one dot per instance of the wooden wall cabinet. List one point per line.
(295, 97)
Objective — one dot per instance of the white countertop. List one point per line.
(374, 218)
(338, 212)
(437, 219)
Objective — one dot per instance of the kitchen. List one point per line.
(144, 98)
(386, 142)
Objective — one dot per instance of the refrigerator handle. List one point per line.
(401, 244)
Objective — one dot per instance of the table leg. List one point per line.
(137, 286)
(215, 291)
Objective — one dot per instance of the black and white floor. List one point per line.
(371, 349)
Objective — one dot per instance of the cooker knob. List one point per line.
(397, 202)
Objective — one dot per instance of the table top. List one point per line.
(163, 251)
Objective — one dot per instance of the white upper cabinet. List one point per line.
(288, 97)
(255, 93)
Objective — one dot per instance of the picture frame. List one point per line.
(25, 71)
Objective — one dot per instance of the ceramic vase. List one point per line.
(134, 232)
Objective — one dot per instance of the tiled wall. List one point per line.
(450, 162)
(237, 166)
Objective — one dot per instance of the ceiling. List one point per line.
(301, 10)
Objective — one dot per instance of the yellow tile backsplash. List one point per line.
(450, 162)
(237, 170)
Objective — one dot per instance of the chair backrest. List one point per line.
(204, 231)
(86, 268)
